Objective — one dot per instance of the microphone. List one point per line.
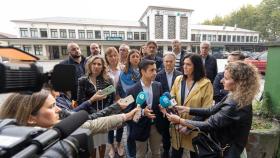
(60, 131)
(140, 100)
(167, 102)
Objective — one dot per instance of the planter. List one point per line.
(263, 143)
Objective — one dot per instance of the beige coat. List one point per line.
(104, 124)
(201, 96)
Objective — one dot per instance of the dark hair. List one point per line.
(128, 64)
(152, 42)
(198, 70)
(145, 63)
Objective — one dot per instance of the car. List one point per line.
(259, 61)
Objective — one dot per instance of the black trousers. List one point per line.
(179, 153)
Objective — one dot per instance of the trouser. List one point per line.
(130, 145)
(118, 135)
(154, 142)
(166, 139)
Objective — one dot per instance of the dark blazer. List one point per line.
(141, 130)
(227, 124)
(183, 53)
(161, 78)
(219, 92)
(211, 68)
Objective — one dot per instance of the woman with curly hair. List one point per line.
(229, 121)
(96, 79)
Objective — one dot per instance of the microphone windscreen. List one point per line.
(167, 94)
(164, 101)
(71, 123)
(141, 98)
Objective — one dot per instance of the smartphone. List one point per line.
(108, 90)
(127, 100)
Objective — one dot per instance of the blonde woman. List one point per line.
(228, 122)
(96, 78)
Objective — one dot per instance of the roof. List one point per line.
(170, 8)
(6, 35)
(220, 28)
(85, 21)
(17, 54)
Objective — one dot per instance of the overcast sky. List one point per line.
(109, 9)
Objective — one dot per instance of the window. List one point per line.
(106, 34)
(136, 36)
(34, 32)
(63, 33)
(224, 38)
(89, 34)
(255, 38)
(121, 34)
(209, 37)
(143, 36)
(219, 38)
(251, 38)
(247, 38)
(64, 50)
(44, 33)
(129, 36)
(97, 34)
(54, 33)
(197, 37)
(214, 38)
(234, 38)
(114, 33)
(72, 33)
(38, 50)
(27, 48)
(193, 37)
(238, 38)
(81, 34)
(203, 37)
(229, 38)
(23, 32)
(242, 38)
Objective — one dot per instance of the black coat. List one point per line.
(211, 68)
(161, 78)
(227, 124)
(141, 130)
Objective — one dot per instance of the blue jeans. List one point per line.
(118, 136)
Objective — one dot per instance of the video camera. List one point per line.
(21, 141)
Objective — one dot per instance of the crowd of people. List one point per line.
(219, 104)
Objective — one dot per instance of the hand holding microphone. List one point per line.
(140, 100)
(167, 103)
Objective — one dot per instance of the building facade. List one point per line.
(47, 38)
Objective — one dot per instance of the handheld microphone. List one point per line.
(60, 131)
(167, 102)
(140, 100)
(171, 98)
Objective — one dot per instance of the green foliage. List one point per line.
(264, 18)
(263, 108)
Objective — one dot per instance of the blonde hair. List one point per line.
(104, 71)
(109, 51)
(21, 106)
(246, 78)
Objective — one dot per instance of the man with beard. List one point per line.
(151, 54)
(180, 53)
(76, 59)
(94, 50)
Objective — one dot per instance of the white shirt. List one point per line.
(169, 77)
(149, 92)
(178, 60)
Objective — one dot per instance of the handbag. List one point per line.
(206, 147)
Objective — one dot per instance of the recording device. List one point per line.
(24, 137)
(167, 102)
(108, 90)
(140, 100)
(127, 100)
(18, 77)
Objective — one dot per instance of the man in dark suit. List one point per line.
(151, 54)
(179, 54)
(150, 124)
(210, 63)
(166, 77)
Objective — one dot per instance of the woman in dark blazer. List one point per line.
(229, 121)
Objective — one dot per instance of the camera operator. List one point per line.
(39, 109)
